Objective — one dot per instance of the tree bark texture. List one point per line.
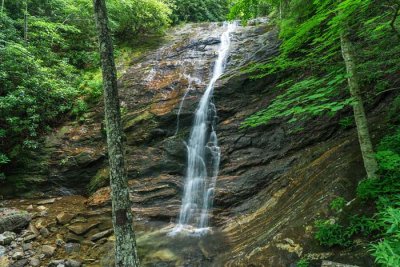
(125, 245)
(364, 138)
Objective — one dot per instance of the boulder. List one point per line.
(65, 263)
(57, 263)
(35, 262)
(73, 238)
(20, 263)
(2, 251)
(4, 261)
(72, 263)
(7, 237)
(17, 255)
(335, 264)
(46, 201)
(72, 247)
(41, 208)
(100, 235)
(44, 232)
(27, 246)
(82, 228)
(64, 218)
(13, 219)
(48, 251)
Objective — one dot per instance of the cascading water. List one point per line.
(203, 153)
(191, 80)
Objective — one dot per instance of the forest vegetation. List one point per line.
(314, 69)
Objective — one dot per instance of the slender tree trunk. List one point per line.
(125, 245)
(364, 138)
(26, 21)
(2, 6)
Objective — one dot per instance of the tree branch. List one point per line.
(388, 90)
(393, 21)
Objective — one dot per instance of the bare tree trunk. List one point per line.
(26, 21)
(364, 138)
(125, 245)
(2, 6)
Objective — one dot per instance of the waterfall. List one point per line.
(203, 153)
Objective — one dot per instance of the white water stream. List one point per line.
(203, 153)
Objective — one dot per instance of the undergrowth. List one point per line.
(381, 228)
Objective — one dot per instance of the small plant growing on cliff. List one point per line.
(303, 263)
(347, 122)
(338, 204)
(329, 233)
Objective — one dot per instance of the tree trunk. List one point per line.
(364, 138)
(2, 6)
(26, 21)
(125, 245)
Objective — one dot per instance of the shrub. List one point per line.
(338, 204)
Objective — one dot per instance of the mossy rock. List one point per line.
(13, 219)
(101, 179)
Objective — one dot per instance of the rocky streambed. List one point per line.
(64, 231)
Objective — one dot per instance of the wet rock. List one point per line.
(100, 198)
(32, 229)
(57, 263)
(20, 263)
(72, 247)
(27, 246)
(34, 262)
(30, 238)
(335, 264)
(82, 228)
(13, 219)
(72, 263)
(59, 242)
(43, 213)
(46, 201)
(4, 261)
(2, 251)
(44, 232)
(41, 208)
(7, 237)
(100, 235)
(48, 250)
(17, 255)
(73, 238)
(164, 256)
(64, 218)
(40, 223)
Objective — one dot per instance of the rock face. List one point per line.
(274, 180)
(12, 219)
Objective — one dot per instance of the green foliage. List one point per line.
(330, 233)
(310, 50)
(199, 10)
(54, 73)
(309, 97)
(385, 223)
(132, 17)
(303, 263)
(387, 252)
(101, 179)
(338, 204)
(347, 122)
